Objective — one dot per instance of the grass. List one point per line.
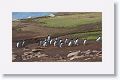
(70, 21)
(87, 35)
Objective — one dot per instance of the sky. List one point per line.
(24, 15)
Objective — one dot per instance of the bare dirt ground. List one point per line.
(56, 54)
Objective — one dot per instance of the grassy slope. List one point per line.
(73, 21)
(87, 35)
(70, 21)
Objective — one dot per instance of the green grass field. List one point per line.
(87, 35)
(70, 21)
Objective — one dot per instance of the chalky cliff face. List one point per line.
(57, 37)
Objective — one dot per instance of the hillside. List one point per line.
(61, 25)
(69, 33)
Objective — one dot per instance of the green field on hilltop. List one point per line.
(70, 21)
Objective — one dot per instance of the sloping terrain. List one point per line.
(81, 25)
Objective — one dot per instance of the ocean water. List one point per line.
(24, 15)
